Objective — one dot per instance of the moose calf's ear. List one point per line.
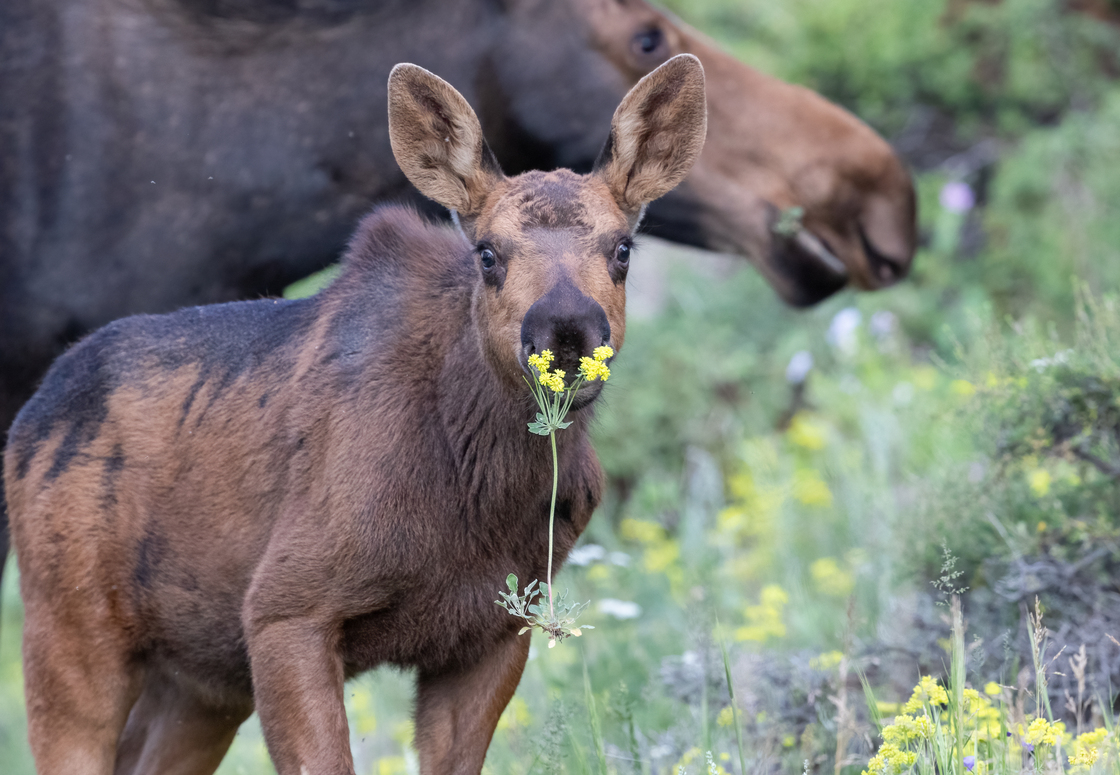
(656, 134)
(438, 141)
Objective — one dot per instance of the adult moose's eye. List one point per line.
(487, 257)
(648, 42)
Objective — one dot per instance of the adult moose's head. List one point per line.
(553, 248)
(771, 147)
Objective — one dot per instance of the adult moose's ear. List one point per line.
(656, 134)
(438, 141)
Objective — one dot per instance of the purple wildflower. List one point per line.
(957, 197)
(969, 762)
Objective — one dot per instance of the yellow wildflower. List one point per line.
(806, 433)
(887, 708)
(516, 715)
(640, 530)
(830, 579)
(992, 689)
(826, 661)
(1096, 737)
(726, 717)
(764, 621)
(927, 690)
(1086, 748)
(391, 765)
(658, 557)
(810, 489)
(898, 733)
(1086, 757)
(555, 381)
(593, 369)
(962, 388)
(1043, 732)
(890, 760)
(1040, 481)
(541, 362)
(924, 726)
(602, 353)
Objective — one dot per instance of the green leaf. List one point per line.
(538, 428)
(511, 582)
(561, 426)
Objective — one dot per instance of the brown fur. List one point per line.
(243, 505)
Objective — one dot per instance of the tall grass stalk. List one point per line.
(957, 675)
(734, 707)
(593, 715)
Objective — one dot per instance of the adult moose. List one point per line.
(247, 503)
(160, 153)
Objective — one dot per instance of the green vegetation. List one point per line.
(774, 540)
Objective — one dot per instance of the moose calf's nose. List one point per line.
(568, 323)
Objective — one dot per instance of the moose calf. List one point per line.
(243, 505)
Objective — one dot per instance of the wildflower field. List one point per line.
(880, 535)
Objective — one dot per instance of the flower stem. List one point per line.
(551, 518)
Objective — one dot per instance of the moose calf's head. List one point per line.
(552, 248)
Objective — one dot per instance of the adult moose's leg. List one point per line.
(172, 732)
(456, 712)
(297, 685)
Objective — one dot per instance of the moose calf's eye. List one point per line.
(487, 257)
(622, 254)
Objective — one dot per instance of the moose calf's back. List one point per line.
(239, 506)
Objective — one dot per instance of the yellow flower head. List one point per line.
(1042, 731)
(593, 369)
(602, 353)
(1086, 757)
(554, 381)
(542, 361)
(927, 690)
(891, 759)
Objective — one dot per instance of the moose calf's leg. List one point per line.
(172, 732)
(456, 712)
(79, 688)
(297, 684)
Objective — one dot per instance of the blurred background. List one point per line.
(807, 488)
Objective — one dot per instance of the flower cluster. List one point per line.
(1043, 732)
(1086, 757)
(595, 367)
(1087, 748)
(554, 381)
(927, 691)
(890, 760)
(907, 729)
(590, 368)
